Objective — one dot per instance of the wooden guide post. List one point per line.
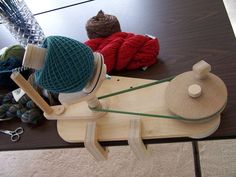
(29, 90)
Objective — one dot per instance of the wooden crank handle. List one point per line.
(201, 69)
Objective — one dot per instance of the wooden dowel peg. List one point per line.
(30, 91)
(135, 140)
(91, 143)
(194, 90)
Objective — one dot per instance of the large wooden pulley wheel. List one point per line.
(197, 94)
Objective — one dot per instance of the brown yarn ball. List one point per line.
(102, 25)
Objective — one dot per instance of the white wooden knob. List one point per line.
(201, 69)
(194, 90)
(34, 57)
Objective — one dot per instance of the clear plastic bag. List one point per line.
(20, 21)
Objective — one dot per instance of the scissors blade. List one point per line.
(7, 132)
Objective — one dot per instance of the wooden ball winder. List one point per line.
(123, 108)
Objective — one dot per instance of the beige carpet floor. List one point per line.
(218, 159)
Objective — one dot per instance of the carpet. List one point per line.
(218, 159)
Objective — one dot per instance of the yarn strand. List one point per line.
(136, 88)
(22, 68)
(136, 113)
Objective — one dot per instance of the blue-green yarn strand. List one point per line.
(68, 67)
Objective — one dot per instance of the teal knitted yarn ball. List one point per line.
(68, 65)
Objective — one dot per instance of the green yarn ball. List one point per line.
(25, 109)
(20, 112)
(32, 116)
(30, 104)
(16, 51)
(1, 98)
(7, 98)
(12, 111)
(68, 66)
(24, 99)
(3, 110)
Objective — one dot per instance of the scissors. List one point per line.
(15, 135)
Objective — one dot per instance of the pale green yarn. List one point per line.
(16, 51)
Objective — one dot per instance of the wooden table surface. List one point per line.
(188, 31)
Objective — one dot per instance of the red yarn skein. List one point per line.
(126, 50)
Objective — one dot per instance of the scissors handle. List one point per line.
(19, 130)
(15, 137)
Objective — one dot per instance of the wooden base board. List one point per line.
(112, 127)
